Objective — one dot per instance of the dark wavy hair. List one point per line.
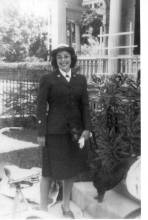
(70, 50)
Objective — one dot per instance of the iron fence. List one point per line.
(18, 89)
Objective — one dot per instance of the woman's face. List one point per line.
(63, 60)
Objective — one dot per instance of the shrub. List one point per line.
(116, 124)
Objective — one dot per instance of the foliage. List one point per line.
(18, 32)
(38, 47)
(116, 125)
(90, 18)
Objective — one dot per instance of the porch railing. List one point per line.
(91, 66)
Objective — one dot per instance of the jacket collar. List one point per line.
(65, 74)
(61, 77)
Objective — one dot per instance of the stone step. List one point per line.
(114, 205)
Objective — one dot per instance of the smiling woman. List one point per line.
(59, 130)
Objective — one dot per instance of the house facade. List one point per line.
(118, 16)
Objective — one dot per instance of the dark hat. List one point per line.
(62, 47)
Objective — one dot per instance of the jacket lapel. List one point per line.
(73, 76)
(60, 77)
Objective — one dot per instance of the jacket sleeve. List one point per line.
(85, 107)
(43, 92)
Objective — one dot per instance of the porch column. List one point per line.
(77, 36)
(114, 27)
(59, 23)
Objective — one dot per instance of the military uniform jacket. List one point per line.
(68, 105)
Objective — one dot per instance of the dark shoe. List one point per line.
(67, 214)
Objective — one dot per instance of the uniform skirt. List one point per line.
(62, 158)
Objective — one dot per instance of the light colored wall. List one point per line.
(74, 3)
(128, 14)
(74, 10)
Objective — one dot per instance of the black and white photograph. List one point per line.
(70, 109)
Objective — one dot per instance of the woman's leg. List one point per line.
(44, 192)
(67, 189)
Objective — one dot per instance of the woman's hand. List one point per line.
(85, 134)
(41, 141)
